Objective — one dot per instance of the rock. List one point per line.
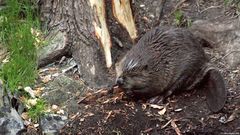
(10, 122)
(223, 35)
(56, 48)
(62, 92)
(52, 123)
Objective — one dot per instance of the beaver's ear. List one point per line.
(215, 90)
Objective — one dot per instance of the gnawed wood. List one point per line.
(123, 13)
(101, 30)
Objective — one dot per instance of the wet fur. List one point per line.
(163, 59)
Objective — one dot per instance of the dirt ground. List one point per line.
(183, 113)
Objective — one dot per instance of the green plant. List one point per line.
(17, 20)
(38, 110)
(178, 17)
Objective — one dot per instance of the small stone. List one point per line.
(223, 119)
(82, 119)
(60, 111)
(142, 5)
(36, 125)
(151, 15)
(55, 108)
(178, 110)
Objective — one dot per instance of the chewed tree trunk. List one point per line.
(97, 33)
(75, 19)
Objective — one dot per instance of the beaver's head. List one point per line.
(132, 77)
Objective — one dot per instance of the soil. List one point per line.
(186, 112)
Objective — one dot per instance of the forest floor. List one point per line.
(183, 113)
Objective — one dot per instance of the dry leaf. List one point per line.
(46, 79)
(25, 116)
(38, 91)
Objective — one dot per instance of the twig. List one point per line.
(211, 7)
(166, 124)
(159, 10)
(227, 55)
(177, 6)
(174, 125)
(119, 43)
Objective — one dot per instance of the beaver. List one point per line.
(166, 60)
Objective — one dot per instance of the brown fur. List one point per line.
(162, 59)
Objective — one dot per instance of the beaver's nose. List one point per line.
(119, 81)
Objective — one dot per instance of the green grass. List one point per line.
(16, 22)
(34, 112)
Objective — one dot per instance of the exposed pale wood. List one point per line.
(123, 13)
(101, 30)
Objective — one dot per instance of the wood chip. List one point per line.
(156, 106)
(174, 125)
(162, 112)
